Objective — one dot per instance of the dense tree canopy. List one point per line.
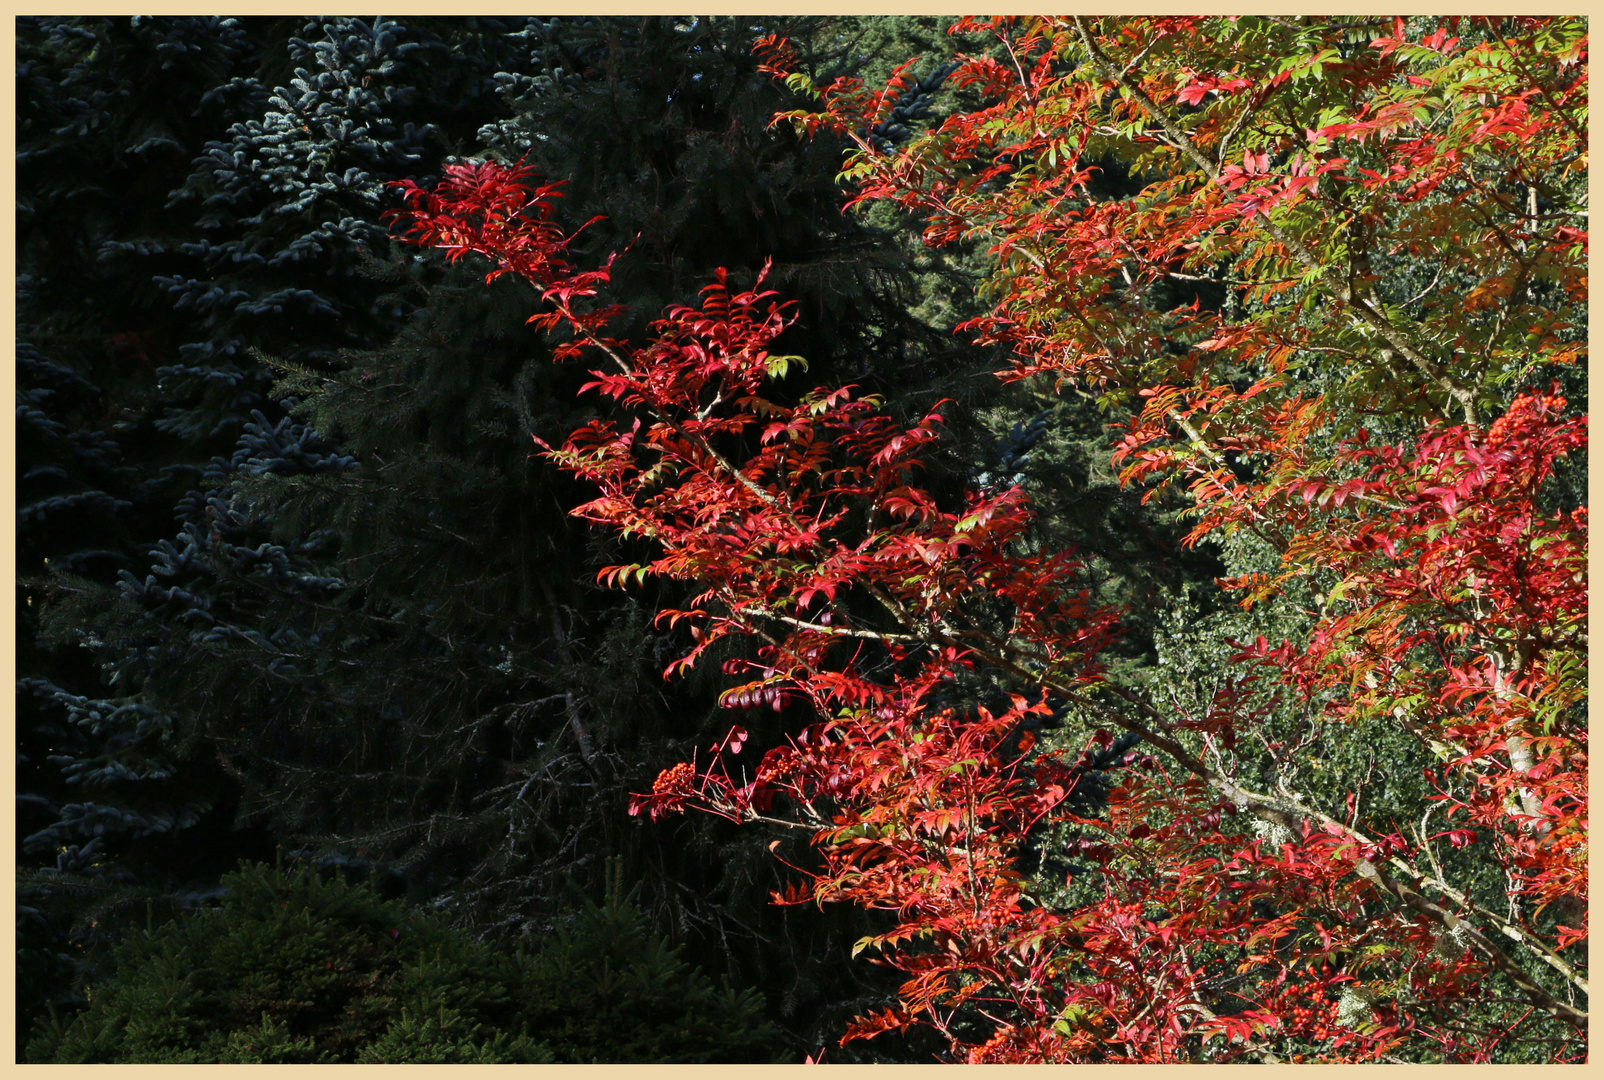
(1209, 686)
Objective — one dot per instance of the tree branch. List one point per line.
(1358, 309)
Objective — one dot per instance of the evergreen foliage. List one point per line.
(111, 806)
(302, 968)
(290, 968)
(606, 988)
(145, 276)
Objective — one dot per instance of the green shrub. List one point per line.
(293, 968)
(606, 989)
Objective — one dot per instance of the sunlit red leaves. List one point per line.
(1460, 603)
(1456, 604)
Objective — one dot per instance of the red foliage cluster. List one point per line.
(1459, 610)
(1464, 614)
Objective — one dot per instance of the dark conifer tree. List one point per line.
(109, 795)
(147, 274)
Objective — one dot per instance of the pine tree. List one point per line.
(146, 277)
(110, 804)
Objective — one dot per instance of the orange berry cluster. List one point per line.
(673, 779)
